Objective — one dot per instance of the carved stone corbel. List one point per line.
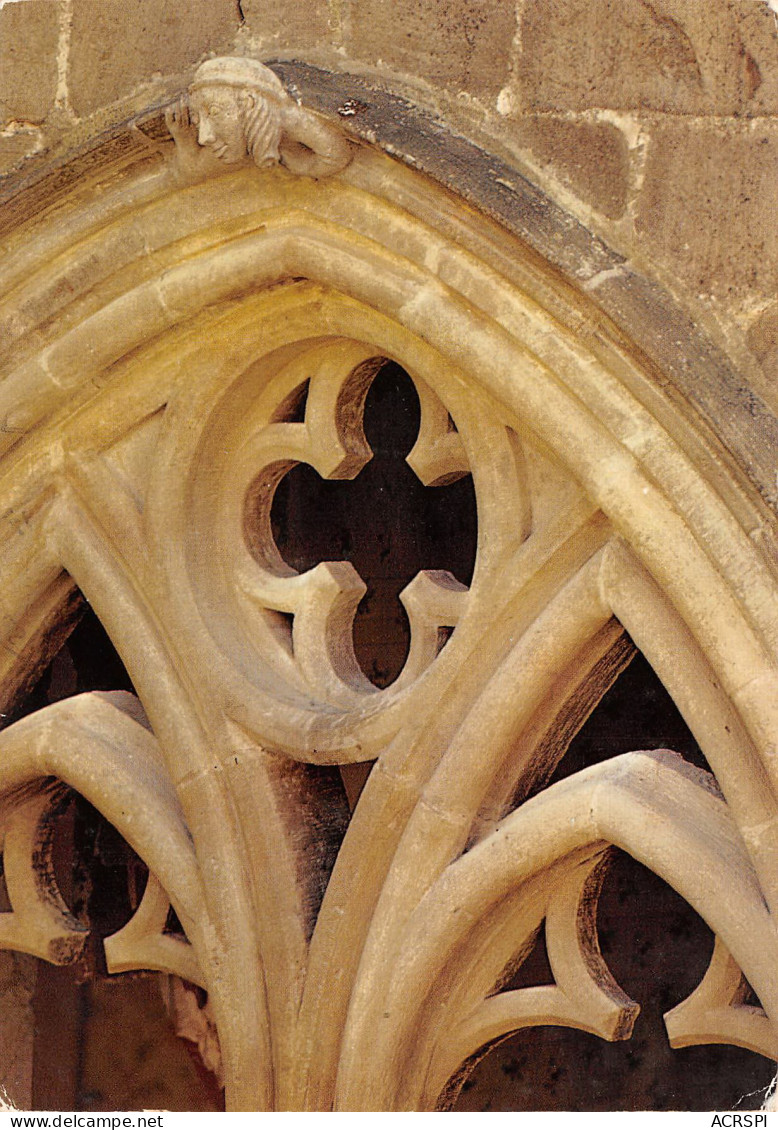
(237, 111)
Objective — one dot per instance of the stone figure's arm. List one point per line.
(191, 161)
(311, 146)
(272, 124)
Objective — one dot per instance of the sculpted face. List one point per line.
(242, 112)
(220, 121)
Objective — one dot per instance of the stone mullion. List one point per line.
(258, 792)
(653, 806)
(722, 734)
(125, 610)
(398, 779)
(438, 827)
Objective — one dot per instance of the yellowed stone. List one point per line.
(704, 180)
(29, 38)
(456, 44)
(182, 336)
(116, 45)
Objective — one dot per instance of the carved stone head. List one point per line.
(237, 109)
(238, 105)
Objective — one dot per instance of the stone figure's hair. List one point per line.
(311, 147)
(262, 128)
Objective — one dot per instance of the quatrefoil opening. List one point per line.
(315, 443)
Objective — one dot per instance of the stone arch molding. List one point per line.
(176, 338)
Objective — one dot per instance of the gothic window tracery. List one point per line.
(159, 423)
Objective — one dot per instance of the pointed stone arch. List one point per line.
(157, 334)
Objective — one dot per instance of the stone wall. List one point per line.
(654, 122)
(17, 986)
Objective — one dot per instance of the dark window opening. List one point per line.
(385, 522)
(657, 949)
(101, 1042)
(636, 713)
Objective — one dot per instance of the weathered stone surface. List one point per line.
(707, 208)
(16, 146)
(660, 55)
(239, 111)
(705, 219)
(492, 184)
(131, 1057)
(592, 158)
(763, 341)
(458, 44)
(17, 1027)
(276, 23)
(117, 45)
(29, 34)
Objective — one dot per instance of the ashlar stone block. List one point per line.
(117, 45)
(457, 44)
(276, 23)
(29, 37)
(763, 342)
(704, 180)
(663, 55)
(591, 158)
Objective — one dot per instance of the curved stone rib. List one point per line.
(671, 649)
(331, 439)
(437, 829)
(359, 214)
(143, 944)
(574, 954)
(678, 533)
(323, 600)
(575, 692)
(434, 599)
(340, 379)
(438, 456)
(497, 1018)
(599, 464)
(715, 1013)
(544, 562)
(292, 253)
(40, 607)
(39, 922)
(148, 626)
(584, 994)
(653, 805)
(322, 630)
(97, 744)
